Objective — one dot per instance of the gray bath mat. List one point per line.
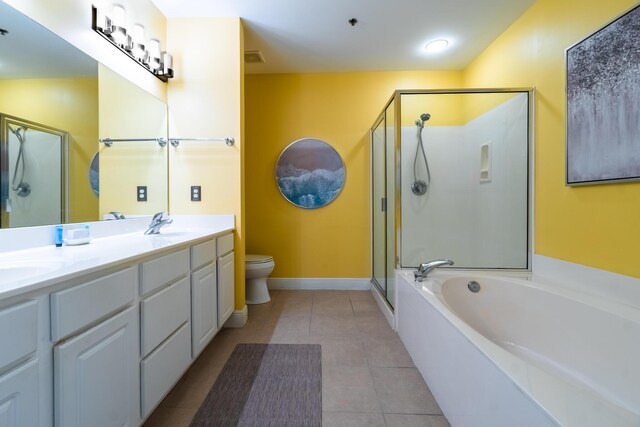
(266, 385)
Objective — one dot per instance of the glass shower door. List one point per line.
(378, 206)
(383, 181)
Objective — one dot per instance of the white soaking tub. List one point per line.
(521, 353)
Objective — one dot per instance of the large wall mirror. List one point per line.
(56, 103)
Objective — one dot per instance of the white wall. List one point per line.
(71, 20)
(476, 224)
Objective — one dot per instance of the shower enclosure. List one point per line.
(33, 178)
(450, 179)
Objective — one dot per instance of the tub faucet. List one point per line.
(157, 222)
(426, 268)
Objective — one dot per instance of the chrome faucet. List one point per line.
(116, 215)
(426, 268)
(157, 222)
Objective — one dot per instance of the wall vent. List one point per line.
(253, 57)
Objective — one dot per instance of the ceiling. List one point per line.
(297, 36)
(29, 50)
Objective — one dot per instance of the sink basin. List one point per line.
(18, 270)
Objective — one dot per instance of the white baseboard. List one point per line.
(238, 318)
(346, 284)
(601, 283)
(384, 307)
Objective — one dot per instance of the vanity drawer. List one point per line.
(225, 244)
(163, 312)
(74, 308)
(203, 253)
(165, 269)
(164, 367)
(18, 332)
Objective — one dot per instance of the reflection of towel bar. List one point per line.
(108, 142)
(176, 141)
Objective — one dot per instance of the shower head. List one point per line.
(423, 118)
(16, 131)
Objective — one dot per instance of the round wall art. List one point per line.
(310, 173)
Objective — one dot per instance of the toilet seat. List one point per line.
(258, 259)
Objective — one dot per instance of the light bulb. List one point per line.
(138, 34)
(154, 54)
(154, 48)
(119, 16)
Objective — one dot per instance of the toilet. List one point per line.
(257, 269)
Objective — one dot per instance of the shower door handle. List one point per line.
(383, 204)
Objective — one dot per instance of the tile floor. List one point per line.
(368, 378)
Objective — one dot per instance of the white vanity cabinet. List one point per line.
(19, 382)
(204, 296)
(226, 278)
(95, 361)
(165, 311)
(95, 375)
(103, 344)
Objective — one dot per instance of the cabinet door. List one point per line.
(97, 375)
(226, 285)
(204, 304)
(19, 396)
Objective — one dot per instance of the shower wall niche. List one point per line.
(463, 193)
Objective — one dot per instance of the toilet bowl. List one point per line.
(257, 269)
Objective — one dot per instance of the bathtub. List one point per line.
(521, 353)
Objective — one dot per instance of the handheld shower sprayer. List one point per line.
(423, 118)
(22, 188)
(420, 187)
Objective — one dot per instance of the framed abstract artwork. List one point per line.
(310, 173)
(603, 104)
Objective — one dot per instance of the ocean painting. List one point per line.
(310, 173)
(603, 104)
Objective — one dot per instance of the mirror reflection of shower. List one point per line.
(419, 186)
(33, 178)
(20, 186)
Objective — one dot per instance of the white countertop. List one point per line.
(34, 266)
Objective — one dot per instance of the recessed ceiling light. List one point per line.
(436, 45)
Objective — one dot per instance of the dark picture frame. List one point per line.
(603, 104)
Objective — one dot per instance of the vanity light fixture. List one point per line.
(435, 46)
(113, 27)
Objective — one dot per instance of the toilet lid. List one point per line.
(258, 259)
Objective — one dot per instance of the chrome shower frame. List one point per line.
(396, 99)
(5, 122)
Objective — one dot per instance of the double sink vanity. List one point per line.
(98, 334)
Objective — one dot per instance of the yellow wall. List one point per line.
(126, 165)
(596, 225)
(206, 100)
(70, 105)
(340, 108)
(445, 110)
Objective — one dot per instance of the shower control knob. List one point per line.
(419, 187)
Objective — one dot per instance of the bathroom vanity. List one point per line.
(98, 334)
